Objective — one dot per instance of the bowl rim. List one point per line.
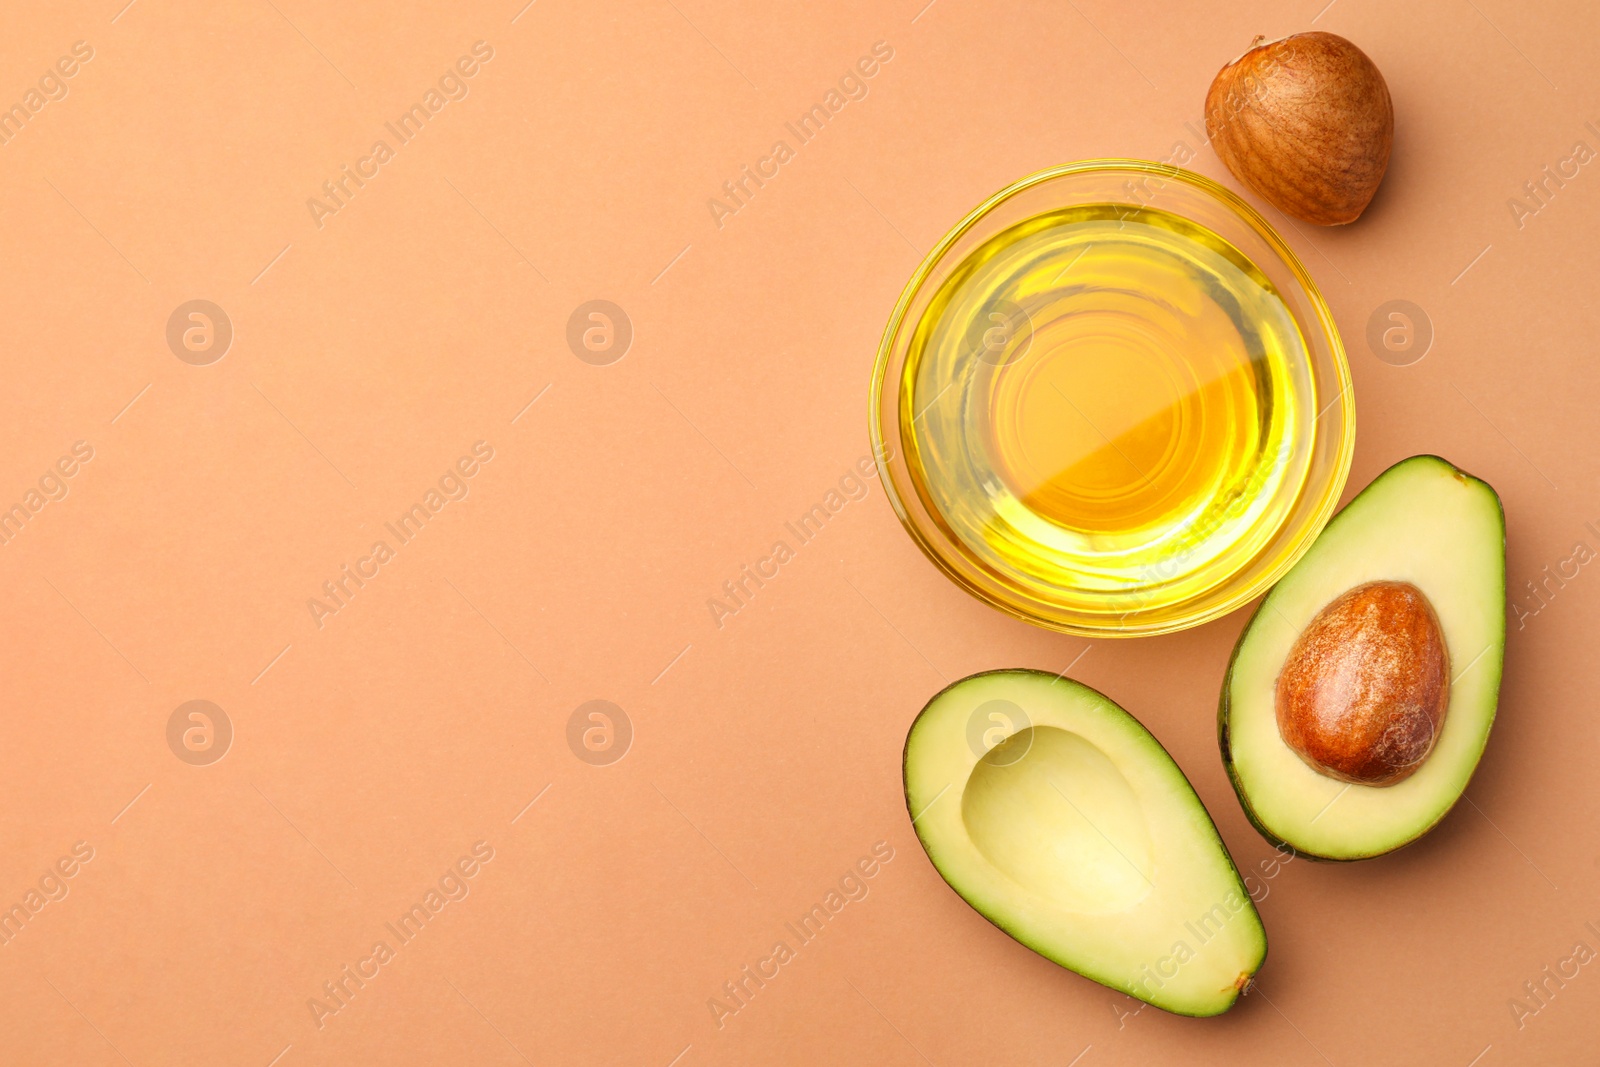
(884, 450)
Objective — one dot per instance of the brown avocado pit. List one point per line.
(1363, 693)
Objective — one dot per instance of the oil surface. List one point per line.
(1109, 400)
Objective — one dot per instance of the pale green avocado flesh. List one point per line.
(1061, 820)
(1424, 522)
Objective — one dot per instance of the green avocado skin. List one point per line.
(1223, 703)
(1223, 852)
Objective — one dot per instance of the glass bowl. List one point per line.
(1155, 579)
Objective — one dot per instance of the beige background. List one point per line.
(369, 354)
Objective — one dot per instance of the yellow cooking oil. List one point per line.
(1109, 401)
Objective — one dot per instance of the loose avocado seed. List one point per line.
(1363, 693)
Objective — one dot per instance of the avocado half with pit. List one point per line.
(1062, 821)
(1361, 693)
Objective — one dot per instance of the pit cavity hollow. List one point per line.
(1060, 820)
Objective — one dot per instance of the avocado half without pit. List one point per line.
(1062, 821)
(1361, 693)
